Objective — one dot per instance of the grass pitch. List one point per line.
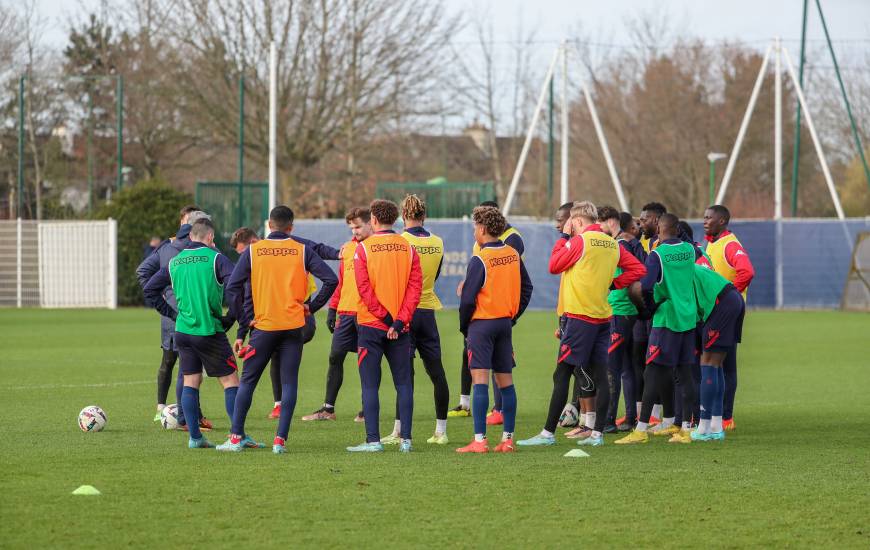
(796, 472)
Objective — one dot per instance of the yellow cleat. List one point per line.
(682, 436)
(633, 438)
(670, 430)
(459, 411)
(438, 439)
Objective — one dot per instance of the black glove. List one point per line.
(398, 325)
(227, 321)
(330, 320)
(388, 319)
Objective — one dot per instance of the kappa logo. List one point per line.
(189, 260)
(603, 243)
(277, 251)
(615, 336)
(389, 247)
(653, 350)
(507, 260)
(712, 334)
(427, 249)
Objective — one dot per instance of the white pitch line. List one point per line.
(63, 386)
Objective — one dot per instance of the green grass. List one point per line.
(797, 471)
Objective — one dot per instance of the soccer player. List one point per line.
(341, 319)
(277, 269)
(649, 221)
(197, 275)
(619, 359)
(424, 330)
(151, 265)
(588, 257)
(240, 240)
(730, 260)
(389, 281)
(668, 286)
(496, 291)
(514, 239)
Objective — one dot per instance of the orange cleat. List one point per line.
(653, 421)
(506, 446)
(620, 421)
(495, 418)
(728, 425)
(276, 412)
(474, 447)
(205, 424)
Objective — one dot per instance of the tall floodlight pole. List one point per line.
(550, 148)
(19, 210)
(777, 170)
(563, 188)
(712, 158)
(273, 126)
(797, 120)
(119, 115)
(241, 149)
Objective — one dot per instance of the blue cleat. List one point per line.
(232, 445)
(249, 443)
(278, 449)
(373, 447)
(405, 446)
(201, 443)
(717, 436)
(697, 436)
(538, 440)
(591, 441)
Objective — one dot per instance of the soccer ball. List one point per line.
(92, 419)
(570, 418)
(169, 417)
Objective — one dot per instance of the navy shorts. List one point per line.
(641, 329)
(265, 345)
(724, 327)
(489, 345)
(344, 339)
(621, 339)
(584, 344)
(210, 353)
(424, 335)
(670, 348)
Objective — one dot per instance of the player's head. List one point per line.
(608, 218)
(242, 238)
(192, 217)
(685, 232)
(716, 219)
(202, 231)
(563, 214)
(281, 219)
(649, 217)
(491, 204)
(185, 212)
(489, 224)
(154, 241)
(384, 214)
(413, 210)
(359, 220)
(625, 222)
(668, 226)
(583, 214)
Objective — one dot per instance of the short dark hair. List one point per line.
(670, 220)
(358, 212)
(491, 220)
(722, 211)
(685, 231)
(387, 212)
(281, 217)
(187, 209)
(491, 204)
(201, 227)
(607, 213)
(242, 235)
(656, 207)
(625, 220)
(566, 207)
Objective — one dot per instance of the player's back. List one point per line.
(279, 283)
(430, 249)
(388, 261)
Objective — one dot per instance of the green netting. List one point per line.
(232, 205)
(443, 199)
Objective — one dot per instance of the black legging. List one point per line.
(435, 370)
(465, 374)
(659, 384)
(164, 375)
(334, 376)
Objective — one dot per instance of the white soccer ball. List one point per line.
(169, 417)
(570, 417)
(92, 419)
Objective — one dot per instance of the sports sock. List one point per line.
(465, 401)
(657, 411)
(596, 434)
(160, 407)
(276, 403)
(164, 375)
(397, 427)
(240, 412)
(179, 388)
(704, 425)
(507, 435)
(496, 395)
(639, 404)
(230, 400)
(481, 405)
(716, 424)
(440, 426)
(709, 381)
(480, 437)
(591, 417)
(546, 433)
(190, 398)
(582, 419)
(288, 404)
(667, 422)
(405, 401)
(329, 407)
(641, 426)
(509, 407)
(686, 425)
(718, 405)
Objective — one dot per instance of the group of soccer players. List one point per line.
(641, 306)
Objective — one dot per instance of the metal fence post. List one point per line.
(18, 259)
